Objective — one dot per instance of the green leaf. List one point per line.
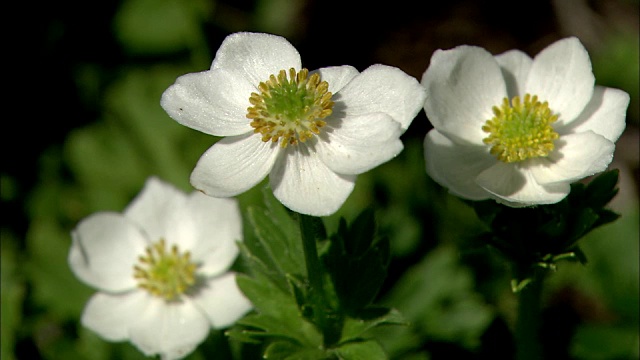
(602, 342)
(54, 285)
(266, 297)
(281, 350)
(601, 189)
(277, 312)
(158, 27)
(437, 297)
(355, 328)
(361, 233)
(277, 244)
(357, 262)
(584, 221)
(285, 350)
(12, 292)
(361, 350)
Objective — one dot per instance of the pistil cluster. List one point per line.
(290, 109)
(521, 130)
(165, 273)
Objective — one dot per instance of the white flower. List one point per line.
(161, 269)
(311, 133)
(516, 129)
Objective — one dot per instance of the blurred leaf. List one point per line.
(165, 147)
(161, 26)
(280, 17)
(106, 163)
(8, 188)
(12, 292)
(54, 285)
(111, 159)
(602, 342)
(437, 297)
(91, 346)
(616, 64)
(612, 280)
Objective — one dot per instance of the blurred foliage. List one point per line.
(455, 297)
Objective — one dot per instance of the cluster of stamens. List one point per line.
(290, 109)
(163, 273)
(521, 130)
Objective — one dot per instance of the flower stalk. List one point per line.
(321, 311)
(527, 334)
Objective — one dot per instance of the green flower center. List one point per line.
(290, 109)
(521, 130)
(165, 273)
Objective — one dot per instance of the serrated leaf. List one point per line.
(585, 219)
(602, 189)
(605, 216)
(243, 335)
(280, 248)
(281, 350)
(282, 217)
(269, 326)
(277, 312)
(256, 263)
(355, 328)
(357, 262)
(361, 233)
(267, 297)
(361, 350)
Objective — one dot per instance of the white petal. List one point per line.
(337, 76)
(515, 67)
(172, 329)
(214, 102)
(217, 226)
(104, 250)
(112, 316)
(303, 183)
(456, 166)
(234, 165)
(154, 208)
(576, 157)
(561, 74)
(516, 187)
(222, 301)
(605, 114)
(381, 88)
(255, 56)
(463, 85)
(359, 143)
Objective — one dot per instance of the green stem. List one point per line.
(310, 230)
(527, 336)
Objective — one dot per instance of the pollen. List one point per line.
(166, 273)
(290, 107)
(521, 129)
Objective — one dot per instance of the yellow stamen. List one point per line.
(290, 109)
(521, 130)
